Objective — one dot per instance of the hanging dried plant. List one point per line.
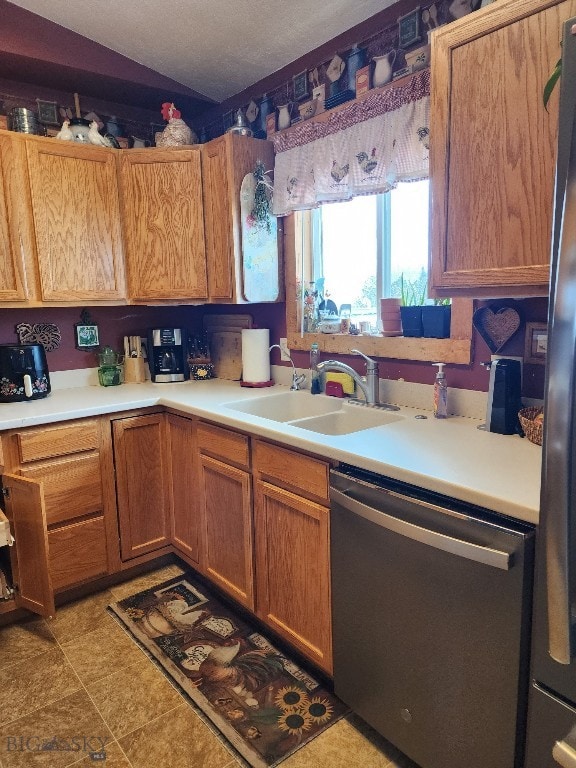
(261, 211)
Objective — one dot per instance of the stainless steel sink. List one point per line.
(348, 419)
(287, 406)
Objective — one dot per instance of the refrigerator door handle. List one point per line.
(564, 755)
(459, 547)
(558, 462)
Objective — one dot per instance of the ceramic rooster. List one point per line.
(65, 134)
(95, 137)
(367, 163)
(176, 133)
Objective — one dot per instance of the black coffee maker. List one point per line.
(23, 373)
(167, 355)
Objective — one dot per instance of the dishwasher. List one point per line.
(431, 604)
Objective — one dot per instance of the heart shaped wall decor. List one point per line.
(496, 327)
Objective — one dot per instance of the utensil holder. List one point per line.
(134, 370)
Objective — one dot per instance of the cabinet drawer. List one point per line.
(77, 552)
(72, 487)
(37, 444)
(304, 474)
(224, 444)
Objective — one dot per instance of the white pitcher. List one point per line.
(284, 118)
(383, 68)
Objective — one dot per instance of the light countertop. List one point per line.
(450, 456)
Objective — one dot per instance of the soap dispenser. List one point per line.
(440, 393)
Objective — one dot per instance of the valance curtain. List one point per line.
(365, 148)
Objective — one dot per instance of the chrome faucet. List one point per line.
(297, 378)
(370, 385)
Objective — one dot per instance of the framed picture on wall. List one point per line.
(536, 343)
(409, 31)
(300, 85)
(48, 112)
(86, 332)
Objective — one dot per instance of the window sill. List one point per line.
(457, 351)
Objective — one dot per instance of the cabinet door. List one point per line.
(218, 219)
(227, 528)
(77, 221)
(225, 162)
(293, 570)
(141, 480)
(27, 515)
(493, 148)
(13, 192)
(163, 216)
(184, 501)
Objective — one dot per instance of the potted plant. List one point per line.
(436, 319)
(412, 298)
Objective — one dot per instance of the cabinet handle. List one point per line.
(459, 547)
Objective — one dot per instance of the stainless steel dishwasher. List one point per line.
(431, 620)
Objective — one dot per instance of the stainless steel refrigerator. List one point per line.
(551, 737)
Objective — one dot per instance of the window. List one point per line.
(367, 248)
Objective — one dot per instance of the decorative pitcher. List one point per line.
(383, 68)
(284, 118)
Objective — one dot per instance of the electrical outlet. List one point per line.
(284, 351)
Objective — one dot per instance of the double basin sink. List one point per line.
(316, 413)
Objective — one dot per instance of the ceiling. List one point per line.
(216, 47)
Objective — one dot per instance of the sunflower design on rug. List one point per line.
(261, 701)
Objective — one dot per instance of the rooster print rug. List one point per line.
(263, 703)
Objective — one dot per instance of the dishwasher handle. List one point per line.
(485, 555)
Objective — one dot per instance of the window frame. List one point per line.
(457, 349)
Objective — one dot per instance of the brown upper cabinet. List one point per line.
(76, 212)
(492, 155)
(163, 219)
(225, 162)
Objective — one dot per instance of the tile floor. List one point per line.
(74, 676)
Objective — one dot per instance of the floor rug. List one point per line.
(263, 703)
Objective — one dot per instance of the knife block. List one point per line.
(134, 370)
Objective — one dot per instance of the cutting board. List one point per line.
(226, 354)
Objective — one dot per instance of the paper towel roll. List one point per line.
(255, 355)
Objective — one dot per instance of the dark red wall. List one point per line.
(116, 322)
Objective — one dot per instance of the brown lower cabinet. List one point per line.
(61, 512)
(250, 515)
(226, 498)
(141, 483)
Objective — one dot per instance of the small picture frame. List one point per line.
(536, 343)
(86, 336)
(48, 112)
(409, 30)
(300, 83)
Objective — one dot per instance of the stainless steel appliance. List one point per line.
(431, 620)
(23, 372)
(167, 354)
(552, 711)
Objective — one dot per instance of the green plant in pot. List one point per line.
(436, 319)
(412, 298)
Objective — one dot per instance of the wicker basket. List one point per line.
(532, 429)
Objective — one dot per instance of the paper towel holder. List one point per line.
(264, 350)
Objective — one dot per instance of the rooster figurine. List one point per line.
(176, 133)
(65, 134)
(94, 137)
(367, 163)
